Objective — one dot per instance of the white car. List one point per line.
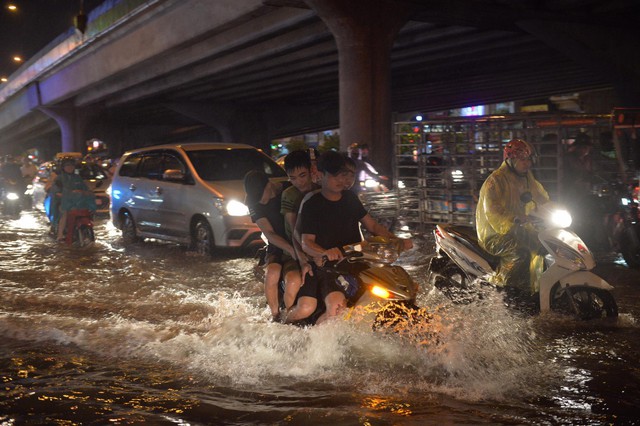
(190, 193)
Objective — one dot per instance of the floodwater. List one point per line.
(154, 334)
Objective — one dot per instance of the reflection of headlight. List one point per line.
(370, 183)
(236, 208)
(12, 196)
(561, 218)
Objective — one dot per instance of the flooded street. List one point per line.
(154, 334)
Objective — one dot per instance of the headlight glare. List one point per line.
(561, 218)
(380, 292)
(236, 208)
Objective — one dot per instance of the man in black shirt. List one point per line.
(329, 220)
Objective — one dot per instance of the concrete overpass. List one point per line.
(154, 71)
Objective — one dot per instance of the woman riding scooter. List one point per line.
(72, 192)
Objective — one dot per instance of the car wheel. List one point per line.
(202, 240)
(129, 232)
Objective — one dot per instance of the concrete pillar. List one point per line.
(72, 123)
(364, 31)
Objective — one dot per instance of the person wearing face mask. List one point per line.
(501, 219)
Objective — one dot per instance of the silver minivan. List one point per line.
(189, 193)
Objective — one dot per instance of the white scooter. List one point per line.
(567, 284)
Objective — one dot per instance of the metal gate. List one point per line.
(440, 165)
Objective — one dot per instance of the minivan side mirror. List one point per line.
(173, 175)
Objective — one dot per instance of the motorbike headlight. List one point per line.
(380, 292)
(561, 218)
(236, 208)
(12, 196)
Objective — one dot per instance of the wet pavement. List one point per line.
(152, 333)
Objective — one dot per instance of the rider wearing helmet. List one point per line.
(501, 218)
(72, 192)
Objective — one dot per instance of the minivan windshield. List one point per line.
(232, 164)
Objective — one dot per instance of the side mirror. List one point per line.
(173, 175)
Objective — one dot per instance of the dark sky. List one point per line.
(33, 26)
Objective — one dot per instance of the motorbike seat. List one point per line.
(468, 237)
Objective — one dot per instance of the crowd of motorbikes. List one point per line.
(386, 292)
(15, 196)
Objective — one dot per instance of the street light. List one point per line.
(3, 79)
(17, 58)
(12, 7)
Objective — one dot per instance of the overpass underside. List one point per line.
(254, 70)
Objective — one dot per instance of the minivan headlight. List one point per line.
(236, 208)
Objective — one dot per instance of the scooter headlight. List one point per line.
(561, 218)
(380, 292)
(12, 196)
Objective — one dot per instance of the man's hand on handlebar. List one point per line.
(332, 254)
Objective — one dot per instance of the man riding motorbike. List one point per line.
(501, 220)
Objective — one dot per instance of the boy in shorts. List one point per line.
(263, 200)
(298, 166)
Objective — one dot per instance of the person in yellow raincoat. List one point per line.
(501, 219)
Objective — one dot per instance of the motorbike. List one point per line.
(12, 198)
(566, 286)
(624, 231)
(378, 292)
(79, 230)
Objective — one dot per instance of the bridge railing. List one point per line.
(100, 20)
